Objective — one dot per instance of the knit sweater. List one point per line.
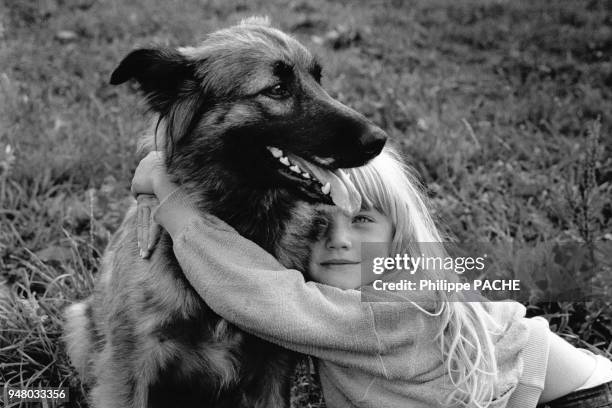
(370, 354)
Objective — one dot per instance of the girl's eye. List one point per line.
(278, 91)
(362, 219)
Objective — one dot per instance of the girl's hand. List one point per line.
(148, 173)
(151, 177)
(150, 183)
(147, 230)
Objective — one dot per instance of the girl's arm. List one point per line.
(247, 286)
(568, 368)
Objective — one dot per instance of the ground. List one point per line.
(503, 108)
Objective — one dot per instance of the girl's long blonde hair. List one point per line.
(388, 185)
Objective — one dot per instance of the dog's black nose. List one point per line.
(373, 141)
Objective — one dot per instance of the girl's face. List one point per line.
(336, 258)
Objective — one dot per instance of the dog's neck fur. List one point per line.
(257, 214)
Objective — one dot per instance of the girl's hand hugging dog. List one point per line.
(374, 353)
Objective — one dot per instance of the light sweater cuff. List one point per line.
(178, 210)
(535, 360)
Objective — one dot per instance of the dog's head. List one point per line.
(247, 108)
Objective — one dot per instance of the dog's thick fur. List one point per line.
(145, 338)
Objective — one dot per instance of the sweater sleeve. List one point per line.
(521, 351)
(248, 287)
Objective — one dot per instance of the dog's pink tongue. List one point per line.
(342, 191)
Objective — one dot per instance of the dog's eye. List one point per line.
(278, 91)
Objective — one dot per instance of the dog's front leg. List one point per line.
(116, 385)
(275, 391)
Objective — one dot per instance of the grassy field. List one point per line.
(503, 107)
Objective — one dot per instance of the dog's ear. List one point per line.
(163, 75)
(169, 83)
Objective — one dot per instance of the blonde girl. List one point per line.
(418, 352)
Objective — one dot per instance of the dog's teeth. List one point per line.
(276, 152)
(327, 161)
(326, 188)
(306, 175)
(295, 169)
(285, 161)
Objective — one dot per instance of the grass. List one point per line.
(504, 109)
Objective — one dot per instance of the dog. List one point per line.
(251, 135)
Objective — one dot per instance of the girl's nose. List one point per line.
(338, 237)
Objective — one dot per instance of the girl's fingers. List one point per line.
(146, 215)
(154, 233)
(148, 230)
(139, 222)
